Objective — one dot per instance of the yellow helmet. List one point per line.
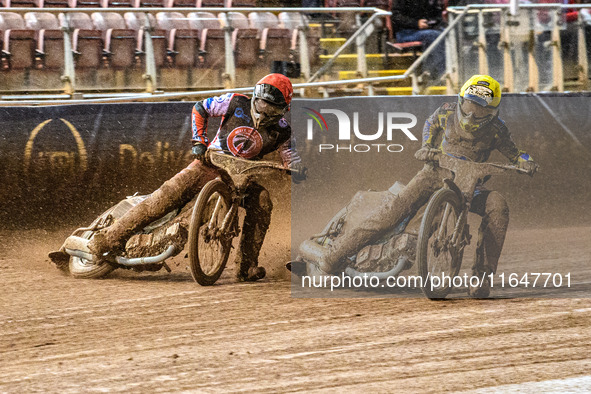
(478, 102)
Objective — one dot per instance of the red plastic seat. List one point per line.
(136, 21)
(183, 41)
(293, 22)
(49, 37)
(18, 42)
(275, 41)
(211, 3)
(245, 40)
(342, 3)
(19, 3)
(154, 3)
(242, 3)
(183, 3)
(87, 42)
(212, 44)
(87, 3)
(120, 3)
(384, 5)
(120, 42)
(56, 3)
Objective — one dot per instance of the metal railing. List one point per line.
(229, 77)
(526, 26)
(454, 73)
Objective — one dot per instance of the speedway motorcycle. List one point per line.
(207, 225)
(434, 240)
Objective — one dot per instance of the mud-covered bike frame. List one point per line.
(214, 222)
(444, 232)
(228, 189)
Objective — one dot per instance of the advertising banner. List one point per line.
(63, 161)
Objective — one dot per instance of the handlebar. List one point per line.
(437, 155)
(237, 165)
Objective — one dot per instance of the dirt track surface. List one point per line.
(161, 332)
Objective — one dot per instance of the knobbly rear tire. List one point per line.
(424, 260)
(199, 246)
(85, 269)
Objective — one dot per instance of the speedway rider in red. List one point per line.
(250, 128)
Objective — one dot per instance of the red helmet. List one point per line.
(270, 99)
(275, 88)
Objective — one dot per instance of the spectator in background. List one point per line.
(421, 20)
(313, 4)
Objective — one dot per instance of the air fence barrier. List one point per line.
(62, 163)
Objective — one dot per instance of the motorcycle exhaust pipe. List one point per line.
(130, 262)
(400, 264)
(78, 247)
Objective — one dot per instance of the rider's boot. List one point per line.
(481, 289)
(173, 194)
(491, 237)
(258, 207)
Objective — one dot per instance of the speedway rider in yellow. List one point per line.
(469, 129)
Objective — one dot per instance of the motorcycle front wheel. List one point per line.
(437, 259)
(209, 244)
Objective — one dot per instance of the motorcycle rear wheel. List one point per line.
(85, 269)
(436, 257)
(209, 247)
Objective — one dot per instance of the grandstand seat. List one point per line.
(275, 41)
(19, 3)
(242, 3)
(49, 37)
(136, 21)
(293, 22)
(212, 44)
(382, 4)
(182, 3)
(18, 42)
(342, 3)
(211, 3)
(56, 3)
(87, 42)
(182, 41)
(87, 3)
(120, 3)
(155, 3)
(245, 41)
(119, 41)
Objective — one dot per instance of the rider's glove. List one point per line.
(199, 151)
(299, 172)
(425, 154)
(528, 165)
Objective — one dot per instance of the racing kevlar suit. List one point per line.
(440, 131)
(236, 136)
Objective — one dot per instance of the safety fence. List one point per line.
(64, 163)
